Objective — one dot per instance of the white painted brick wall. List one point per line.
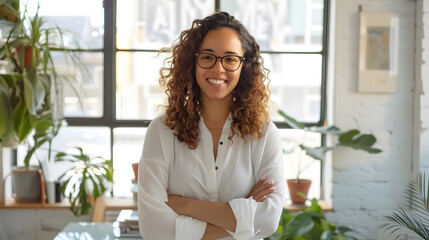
(424, 98)
(364, 185)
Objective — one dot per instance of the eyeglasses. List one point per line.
(229, 62)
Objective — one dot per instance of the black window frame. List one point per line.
(109, 89)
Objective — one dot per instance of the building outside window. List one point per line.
(119, 86)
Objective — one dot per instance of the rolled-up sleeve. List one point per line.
(156, 219)
(256, 220)
(244, 212)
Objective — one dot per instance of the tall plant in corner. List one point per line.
(31, 92)
(413, 215)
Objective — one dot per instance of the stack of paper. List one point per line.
(128, 223)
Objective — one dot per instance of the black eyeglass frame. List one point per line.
(221, 61)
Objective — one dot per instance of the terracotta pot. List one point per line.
(28, 55)
(295, 186)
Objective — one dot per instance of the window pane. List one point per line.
(138, 93)
(87, 23)
(127, 149)
(283, 25)
(144, 24)
(83, 91)
(296, 160)
(95, 141)
(295, 78)
(82, 17)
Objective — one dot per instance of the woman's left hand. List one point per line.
(260, 190)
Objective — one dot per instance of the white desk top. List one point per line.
(90, 231)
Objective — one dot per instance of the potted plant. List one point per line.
(30, 93)
(413, 215)
(85, 181)
(352, 138)
(308, 224)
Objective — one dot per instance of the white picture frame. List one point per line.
(378, 52)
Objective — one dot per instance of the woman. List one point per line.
(212, 164)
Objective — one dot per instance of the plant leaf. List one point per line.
(326, 235)
(292, 122)
(415, 219)
(343, 229)
(6, 119)
(354, 140)
(23, 121)
(314, 206)
(316, 152)
(34, 92)
(333, 130)
(299, 225)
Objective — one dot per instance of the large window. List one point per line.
(120, 86)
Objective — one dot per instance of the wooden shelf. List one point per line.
(10, 203)
(110, 203)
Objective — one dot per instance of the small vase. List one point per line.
(295, 186)
(50, 192)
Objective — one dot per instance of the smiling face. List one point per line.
(216, 83)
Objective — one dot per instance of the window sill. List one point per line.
(296, 208)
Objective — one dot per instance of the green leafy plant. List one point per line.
(309, 224)
(413, 215)
(30, 94)
(87, 178)
(352, 138)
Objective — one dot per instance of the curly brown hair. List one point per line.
(249, 110)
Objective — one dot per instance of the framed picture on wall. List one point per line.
(378, 52)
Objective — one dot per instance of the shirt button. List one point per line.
(221, 143)
(213, 196)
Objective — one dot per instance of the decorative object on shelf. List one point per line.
(352, 138)
(28, 184)
(308, 224)
(378, 52)
(85, 181)
(413, 214)
(31, 94)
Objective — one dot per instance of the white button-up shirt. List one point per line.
(168, 167)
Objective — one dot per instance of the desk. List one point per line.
(90, 230)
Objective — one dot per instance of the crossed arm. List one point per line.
(218, 215)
